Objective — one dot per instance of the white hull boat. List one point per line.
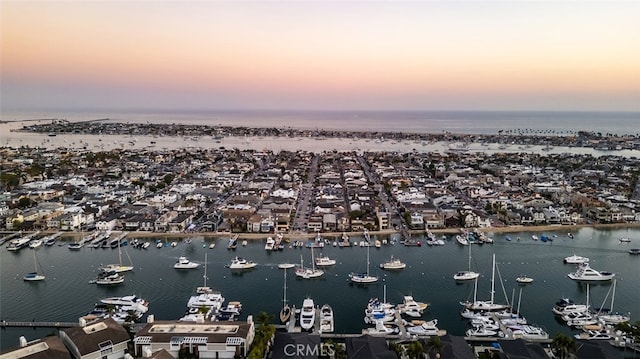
(184, 263)
(576, 259)
(586, 273)
(393, 264)
(326, 319)
(307, 314)
(241, 263)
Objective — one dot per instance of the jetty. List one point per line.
(35, 324)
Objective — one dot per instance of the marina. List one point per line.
(427, 276)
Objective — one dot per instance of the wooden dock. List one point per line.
(34, 324)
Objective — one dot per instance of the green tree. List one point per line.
(563, 346)
(434, 346)
(415, 350)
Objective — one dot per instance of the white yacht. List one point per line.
(128, 301)
(326, 319)
(269, 245)
(35, 243)
(324, 261)
(109, 278)
(381, 329)
(428, 328)
(412, 308)
(307, 314)
(241, 263)
(576, 259)
(586, 273)
(184, 263)
(529, 332)
(393, 263)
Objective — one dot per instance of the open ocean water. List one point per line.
(66, 293)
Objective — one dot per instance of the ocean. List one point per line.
(463, 122)
(66, 293)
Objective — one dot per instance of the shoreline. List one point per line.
(337, 235)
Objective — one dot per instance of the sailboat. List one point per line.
(285, 312)
(308, 273)
(364, 278)
(482, 305)
(118, 267)
(467, 274)
(34, 276)
(611, 317)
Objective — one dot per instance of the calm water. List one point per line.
(65, 294)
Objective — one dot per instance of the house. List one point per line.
(369, 347)
(204, 339)
(50, 347)
(100, 339)
(297, 346)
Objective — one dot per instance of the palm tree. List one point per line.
(563, 346)
(434, 346)
(415, 350)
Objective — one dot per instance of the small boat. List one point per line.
(109, 278)
(241, 263)
(244, 243)
(184, 263)
(269, 245)
(393, 263)
(35, 243)
(523, 279)
(212, 245)
(570, 235)
(307, 314)
(34, 276)
(159, 244)
(286, 265)
(508, 238)
(575, 259)
(233, 242)
(480, 332)
(625, 240)
(634, 251)
(324, 261)
(586, 273)
(326, 319)
(534, 237)
(145, 245)
(429, 328)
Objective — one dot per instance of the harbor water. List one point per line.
(66, 293)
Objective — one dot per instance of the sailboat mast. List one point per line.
(284, 295)
(493, 277)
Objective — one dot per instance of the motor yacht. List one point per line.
(586, 273)
(241, 263)
(575, 259)
(307, 314)
(184, 263)
(523, 279)
(428, 328)
(326, 319)
(393, 264)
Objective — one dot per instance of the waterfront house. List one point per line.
(50, 347)
(198, 339)
(100, 339)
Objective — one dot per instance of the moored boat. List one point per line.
(326, 319)
(241, 263)
(523, 279)
(307, 314)
(576, 259)
(393, 264)
(184, 263)
(586, 273)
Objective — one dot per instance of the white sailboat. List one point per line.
(612, 317)
(482, 305)
(363, 278)
(308, 273)
(34, 276)
(118, 267)
(467, 274)
(285, 312)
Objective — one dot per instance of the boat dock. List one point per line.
(8, 237)
(34, 324)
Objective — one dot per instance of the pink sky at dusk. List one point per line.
(434, 55)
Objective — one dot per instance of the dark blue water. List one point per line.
(66, 294)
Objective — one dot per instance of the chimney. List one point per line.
(150, 318)
(23, 342)
(82, 322)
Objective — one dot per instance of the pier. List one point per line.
(34, 324)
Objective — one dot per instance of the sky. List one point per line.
(325, 55)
